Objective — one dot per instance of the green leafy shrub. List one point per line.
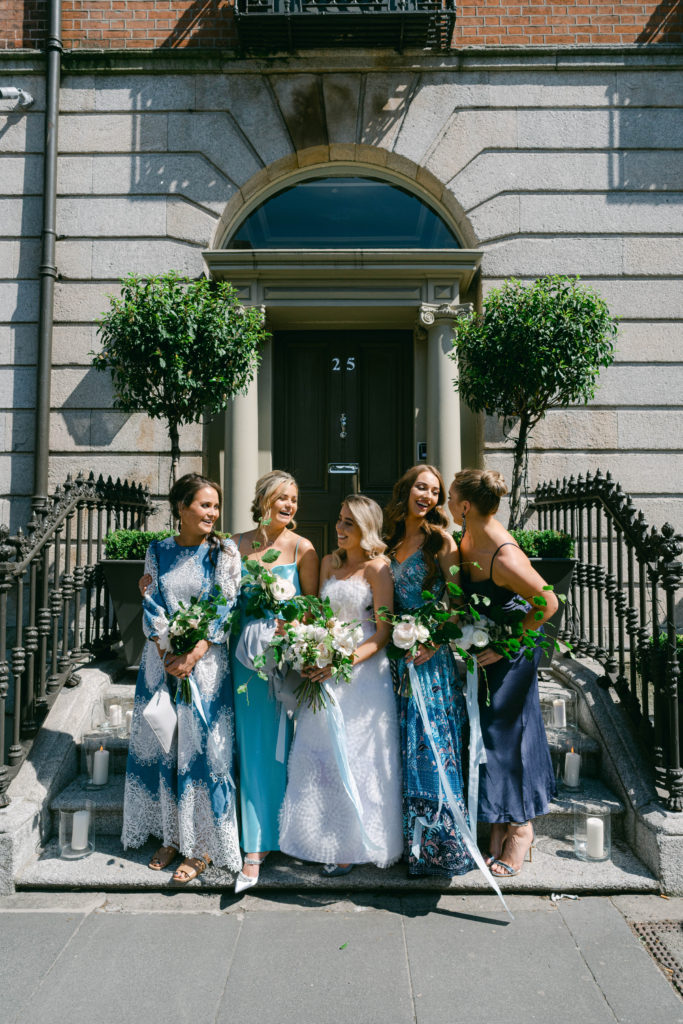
(544, 543)
(540, 543)
(131, 544)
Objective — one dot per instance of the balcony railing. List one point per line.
(271, 25)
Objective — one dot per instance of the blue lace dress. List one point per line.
(442, 850)
(186, 797)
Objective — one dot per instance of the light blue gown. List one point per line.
(186, 798)
(263, 778)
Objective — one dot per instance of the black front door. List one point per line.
(342, 419)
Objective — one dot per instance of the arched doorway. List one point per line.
(345, 263)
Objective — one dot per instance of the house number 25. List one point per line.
(337, 364)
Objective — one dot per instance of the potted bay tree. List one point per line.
(534, 347)
(178, 350)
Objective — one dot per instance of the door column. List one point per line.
(241, 458)
(443, 403)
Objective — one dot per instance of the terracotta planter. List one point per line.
(122, 577)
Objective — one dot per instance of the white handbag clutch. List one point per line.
(162, 717)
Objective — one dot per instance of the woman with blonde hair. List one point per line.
(422, 554)
(517, 782)
(319, 820)
(258, 716)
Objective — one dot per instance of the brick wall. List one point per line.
(134, 24)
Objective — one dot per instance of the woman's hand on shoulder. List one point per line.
(144, 583)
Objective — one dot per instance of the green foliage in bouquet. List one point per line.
(266, 592)
(190, 624)
(131, 544)
(535, 347)
(178, 349)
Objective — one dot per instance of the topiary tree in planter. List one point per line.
(535, 347)
(178, 349)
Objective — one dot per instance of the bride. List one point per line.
(319, 820)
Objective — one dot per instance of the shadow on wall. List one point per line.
(665, 24)
(644, 139)
(205, 22)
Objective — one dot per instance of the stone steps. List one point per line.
(559, 822)
(554, 869)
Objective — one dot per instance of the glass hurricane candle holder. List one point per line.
(77, 832)
(560, 710)
(592, 833)
(95, 746)
(115, 720)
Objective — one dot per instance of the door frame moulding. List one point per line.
(310, 289)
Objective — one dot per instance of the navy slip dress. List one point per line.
(517, 782)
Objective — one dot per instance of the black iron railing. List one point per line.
(54, 605)
(267, 25)
(621, 610)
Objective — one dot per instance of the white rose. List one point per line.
(404, 634)
(175, 628)
(345, 645)
(282, 590)
(480, 637)
(318, 634)
(422, 633)
(323, 657)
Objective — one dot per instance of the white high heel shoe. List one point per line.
(243, 881)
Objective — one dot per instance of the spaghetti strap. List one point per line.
(296, 549)
(504, 544)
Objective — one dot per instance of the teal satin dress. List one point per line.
(263, 778)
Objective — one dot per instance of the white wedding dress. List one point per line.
(318, 821)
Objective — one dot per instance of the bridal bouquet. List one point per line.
(187, 626)
(319, 641)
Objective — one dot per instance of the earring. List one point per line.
(464, 523)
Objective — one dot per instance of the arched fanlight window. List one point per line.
(343, 213)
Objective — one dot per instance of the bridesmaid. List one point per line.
(186, 797)
(517, 781)
(422, 553)
(257, 714)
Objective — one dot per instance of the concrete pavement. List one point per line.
(314, 958)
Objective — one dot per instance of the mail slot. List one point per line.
(343, 468)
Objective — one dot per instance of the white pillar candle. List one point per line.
(129, 720)
(100, 767)
(595, 838)
(559, 713)
(79, 830)
(572, 769)
(116, 715)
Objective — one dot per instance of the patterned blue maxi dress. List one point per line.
(186, 797)
(441, 847)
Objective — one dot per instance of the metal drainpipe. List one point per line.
(48, 268)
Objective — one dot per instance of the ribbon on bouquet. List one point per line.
(477, 749)
(459, 818)
(254, 640)
(335, 721)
